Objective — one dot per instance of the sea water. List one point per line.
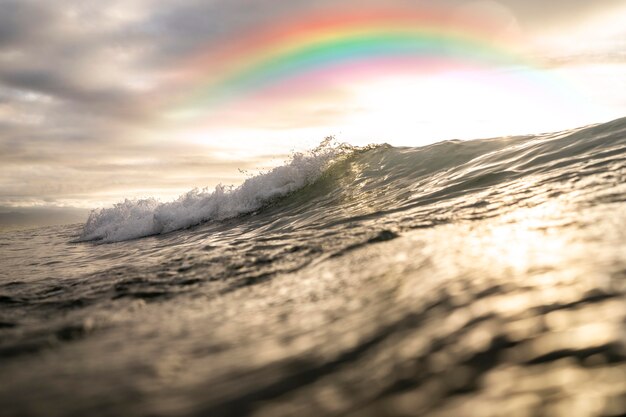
(464, 278)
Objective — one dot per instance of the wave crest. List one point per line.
(137, 218)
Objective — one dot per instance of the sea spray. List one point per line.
(131, 219)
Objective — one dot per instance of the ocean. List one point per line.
(464, 278)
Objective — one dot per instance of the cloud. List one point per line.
(79, 82)
(21, 22)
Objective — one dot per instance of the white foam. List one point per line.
(137, 218)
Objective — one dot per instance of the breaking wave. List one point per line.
(131, 219)
(374, 179)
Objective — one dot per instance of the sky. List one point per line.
(102, 101)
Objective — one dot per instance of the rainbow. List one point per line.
(302, 51)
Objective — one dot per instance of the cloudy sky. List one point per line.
(85, 84)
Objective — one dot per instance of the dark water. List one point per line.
(479, 278)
